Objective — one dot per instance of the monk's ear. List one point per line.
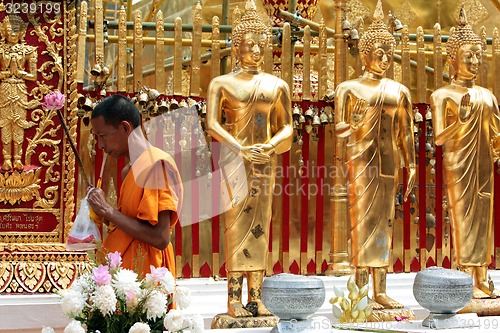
(127, 126)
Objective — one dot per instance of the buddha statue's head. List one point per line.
(14, 28)
(464, 48)
(250, 29)
(377, 44)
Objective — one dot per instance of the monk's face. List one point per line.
(468, 60)
(380, 58)
(251, 49)
(114, 140)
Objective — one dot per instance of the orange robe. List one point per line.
(152, 185)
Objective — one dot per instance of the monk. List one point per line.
(150, 195)
(466, 123)
(256, 107)
(374, 115)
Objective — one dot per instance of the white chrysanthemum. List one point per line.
(125, 280)
(182, 297)
(173, 320)
(74, 327)
(72, 303)
(48, 330)
(84, 284)
(139, 328)
(155, 305)
(196, 324)
(104, 299)
(168, 283)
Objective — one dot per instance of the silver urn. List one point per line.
(443, 292)
(293, 297)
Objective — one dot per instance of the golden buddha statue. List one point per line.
(466, 123)
(258, 126)
(374, 115)
(17, 64)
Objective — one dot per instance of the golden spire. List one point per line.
(462, 35)
(377, 32)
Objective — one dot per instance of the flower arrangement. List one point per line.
(112, 299)
(353, 308)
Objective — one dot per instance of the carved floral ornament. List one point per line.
(37, 56)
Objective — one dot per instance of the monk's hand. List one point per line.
(465, 108)
(358, 113)
(98, 203)
(412, 176)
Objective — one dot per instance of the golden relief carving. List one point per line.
(18, 63)
(72, 93)
(33, 261)
(19, 186)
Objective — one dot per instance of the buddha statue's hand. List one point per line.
(266, 148)
(464, 110)
(255, 154)
(358, 113)
(412, 176)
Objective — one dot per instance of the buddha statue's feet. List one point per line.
(485, 288)
(375, 305)
(236, 309)
(7, 165)
(261, 309)
(387, 302)
(18, 165)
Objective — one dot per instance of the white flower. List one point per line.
(125, 280)
(139, 328)
(48, 330)
(72, 303)
(168, 283)
(173, 320)
(196, 324)
(182, 297)
(104, 299)
(74, 327)
(155, 305)
(84, 284)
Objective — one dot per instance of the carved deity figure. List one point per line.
(466, 123)
(374, 115)
(256, 107)
(17, 64)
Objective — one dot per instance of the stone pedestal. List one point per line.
(483, 307)
(224, 320)
(391, 315)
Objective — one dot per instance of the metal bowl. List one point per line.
(441, 290)
(290, 296)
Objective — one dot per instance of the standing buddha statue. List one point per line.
(466, 123)
(374, 115)
(257, 125)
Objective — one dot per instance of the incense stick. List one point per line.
(99, 181)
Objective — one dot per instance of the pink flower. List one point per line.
(114, 260)
(132, 298)
(101, 275)
(53, 101)
(401, 318)
(157, 274)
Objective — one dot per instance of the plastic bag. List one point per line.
(84, 232)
